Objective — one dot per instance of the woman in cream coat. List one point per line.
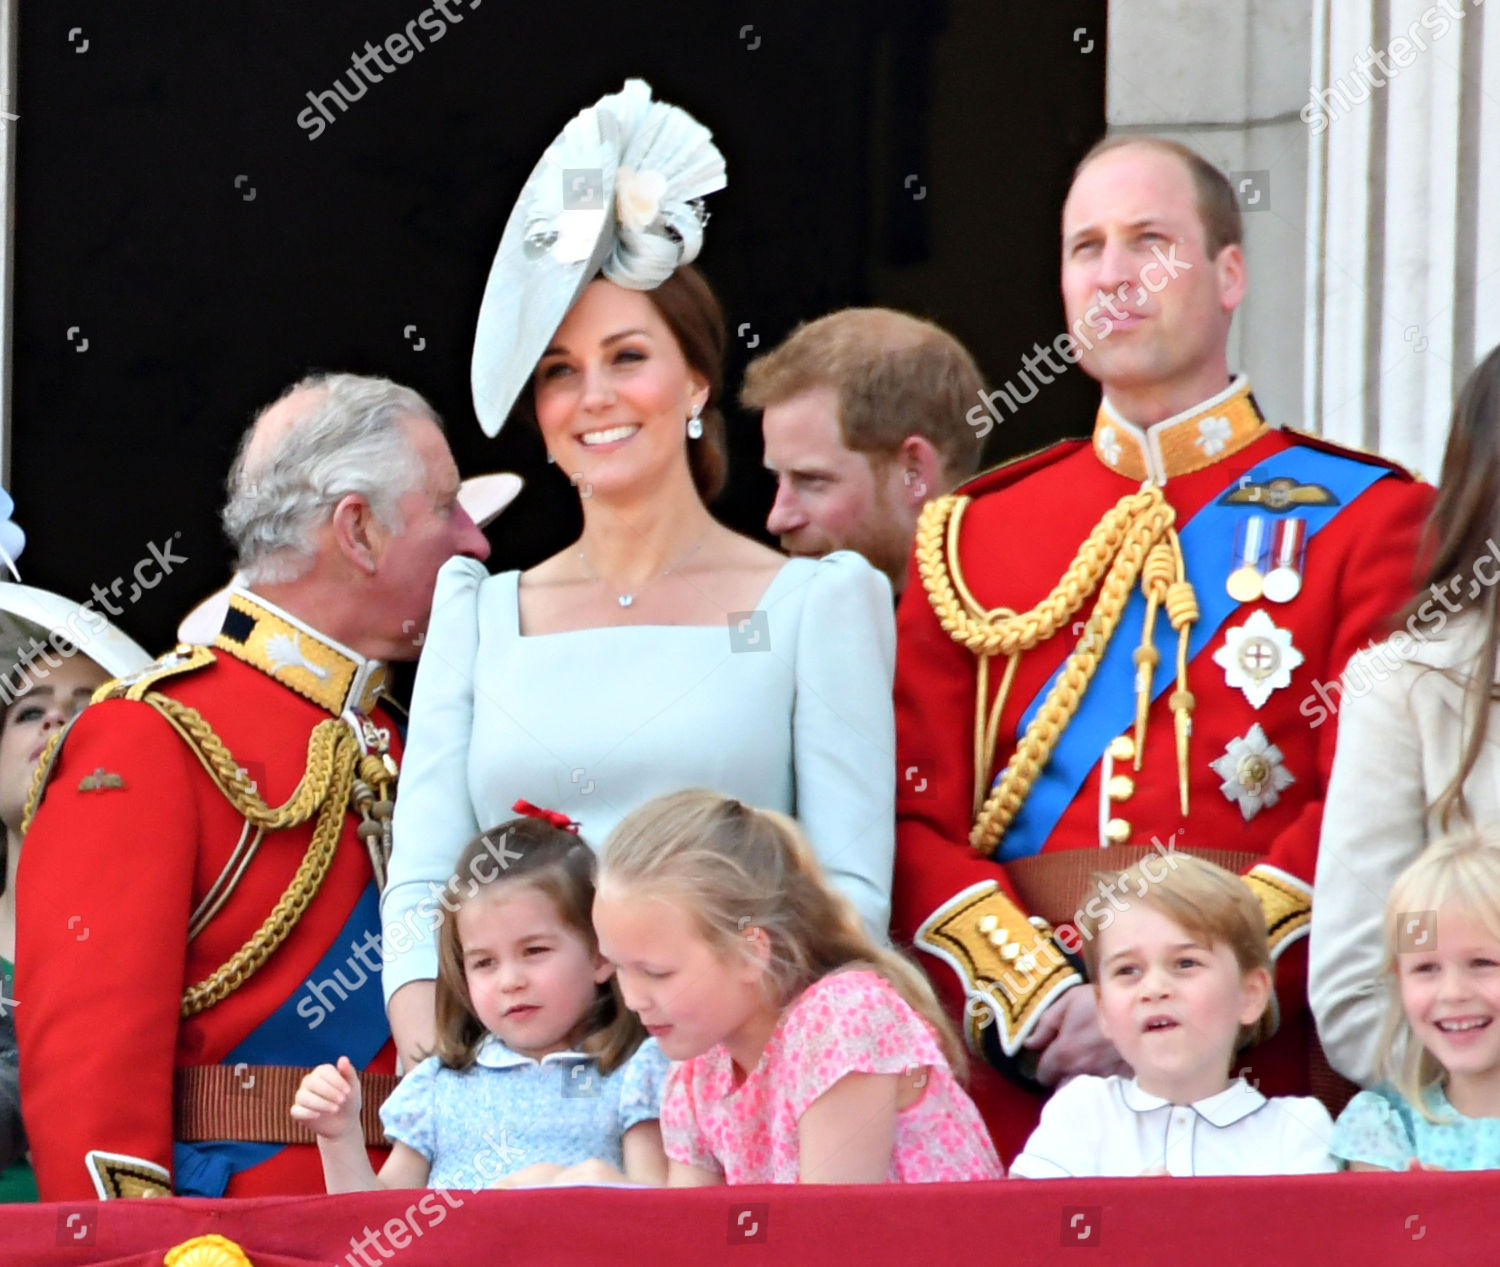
(1418, 752)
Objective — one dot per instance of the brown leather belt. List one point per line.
(253, 1103)
(1057, 885)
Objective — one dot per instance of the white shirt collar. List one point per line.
(493, 1054)
(1237, 1101)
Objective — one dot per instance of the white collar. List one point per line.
(1238, 1100)
(493, 1054)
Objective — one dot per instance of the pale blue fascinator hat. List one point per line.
(619, 193)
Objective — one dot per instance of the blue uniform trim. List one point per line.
(1108, 705)
(338, 1010)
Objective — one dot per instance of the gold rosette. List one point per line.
(207, 1251)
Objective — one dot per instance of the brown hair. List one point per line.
(1218, 209)
(896, 375)
(1464, 524)
(25, 643)
(735, 867)
(1203, 899)
(691, 310)
(561, 866)
(1459, 872)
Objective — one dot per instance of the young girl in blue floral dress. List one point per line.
(538, 1063)
(1441, 1041)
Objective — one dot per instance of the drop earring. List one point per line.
(695, 424)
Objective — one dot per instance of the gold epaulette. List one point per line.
(1010, 966)
(184, 659)
(1286, 901)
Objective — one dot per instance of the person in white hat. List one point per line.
(660, 650)
(204, 870)
(54, 653)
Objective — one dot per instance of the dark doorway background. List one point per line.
(171, 213)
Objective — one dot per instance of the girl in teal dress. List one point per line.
(1441, 1040)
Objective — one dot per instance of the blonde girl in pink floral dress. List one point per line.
(807, 1053)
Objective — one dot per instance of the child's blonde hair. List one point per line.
(562, 867)
(1461, 872)
(1202, 898)
(734, 868)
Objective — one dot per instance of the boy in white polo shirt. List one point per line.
(1181, 970)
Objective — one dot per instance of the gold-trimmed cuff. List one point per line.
(1286, 901)
(118, 1175)
(1010, 965)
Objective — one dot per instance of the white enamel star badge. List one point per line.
(1258, 658)
(1253, 774)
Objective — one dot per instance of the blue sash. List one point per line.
(338, 1010)
(1108, 705)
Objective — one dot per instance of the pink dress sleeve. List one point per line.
(681, 1136)
(850, 1022)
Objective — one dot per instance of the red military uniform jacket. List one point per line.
(141, 879)
(1245, 745)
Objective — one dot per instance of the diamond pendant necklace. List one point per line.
(628, 600)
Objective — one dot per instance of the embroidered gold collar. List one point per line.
(1207, 433)
(301, 659)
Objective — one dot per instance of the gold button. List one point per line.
(998, 937)
(1253, 771)
(988, 923)
(1122, 748)
(1121, 787)
(1117, 831)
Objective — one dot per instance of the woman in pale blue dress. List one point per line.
(660, 650)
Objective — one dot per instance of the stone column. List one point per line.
(1402, 279)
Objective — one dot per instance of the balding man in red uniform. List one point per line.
(1107, 647)
(198, 900)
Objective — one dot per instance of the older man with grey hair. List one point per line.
(343, 503)
(199, 892)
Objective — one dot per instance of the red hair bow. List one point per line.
(556, 817)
